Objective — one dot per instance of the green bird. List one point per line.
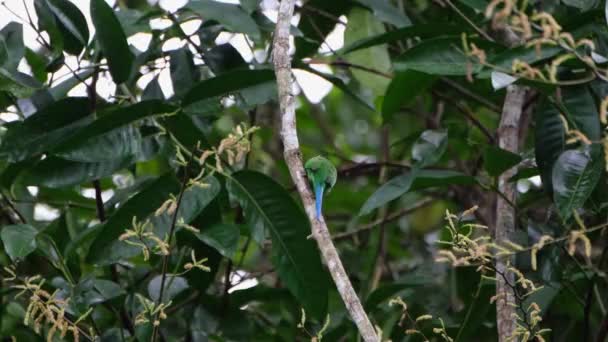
(322, 175)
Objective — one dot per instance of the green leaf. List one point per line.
(429, 148)
(386, 12)
(224, 57)
(11, 36)
(173, 286)
(140, 205)
(530, 55)
(437, 56)
(477, 310)
(20, 85)
(316, 27)
(112, 40)
(389, 191)
(583, 5)
(19, 240)
(575, 175)
(227, 83)
(579, 108)
(44, 129)
(233, 17)
(423, 31)
(361, 24)
(37, 63)
(402, 90)
(184, 74)
(496, 160)
(71, 23)
(223, 237)
(439, 178)
(268, 207)
(55, 172)
(338, 83)
(110, 120)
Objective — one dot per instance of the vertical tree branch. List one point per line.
(508, 139)
(293, 158)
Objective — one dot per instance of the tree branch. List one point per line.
(293, 158)
(508, 139)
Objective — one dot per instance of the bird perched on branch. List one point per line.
(322, 175)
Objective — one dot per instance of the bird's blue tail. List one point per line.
(319, 198)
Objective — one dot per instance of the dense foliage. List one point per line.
(136, 213)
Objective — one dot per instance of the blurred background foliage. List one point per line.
(98, 128)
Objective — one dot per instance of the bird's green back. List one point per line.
(320, 170)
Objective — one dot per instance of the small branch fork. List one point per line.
(293, 158)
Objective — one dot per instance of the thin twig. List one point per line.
(165, 262)
(293, 158)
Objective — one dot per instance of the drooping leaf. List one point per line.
(224, 57)
(268, 207)
(316, 27)
(227, 83)
(41, 131)
(173, 286)
(112, 40)
(402, 90)
(438, 56)
(55, 172)
(386, 12)
(429, 148)
(575, 175)
(71, 23)
(389, 191)
(496, 160)
(578, 107)
(184, 74)
(232, 17)
(361, 24)
(223, 237)
(19, 240)
(18, 84)
(11, 37)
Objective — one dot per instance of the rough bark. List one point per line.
(508, 139)
(293, 158)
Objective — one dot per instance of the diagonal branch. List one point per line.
(293, 158)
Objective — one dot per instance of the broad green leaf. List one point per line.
(173, 286)
(48, 23)
(402, 90)
(268, 207)
(112, 40)
(386, 12)
(112, 119)
(415, 179)
(224, 57)
(20, 85)
(185, 131)
(41, 131)
(315, 26)
(122, 143)
(71, 23)
(153, 91)
(37, 63)
(575, 175)
(227, 83)
(184, 74)
(578, 107)
(140, 205)
(389, 191)
(19, 240)
(477, 310)
(424, 31)
(233, 17)
(223, 237)
(583, 5)
(62, 89)
(496, 160)
(437, 56)
(429, 148)
(55, 172)
(361, 24)
(504, 60)
(338, 83)
(11, 36)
